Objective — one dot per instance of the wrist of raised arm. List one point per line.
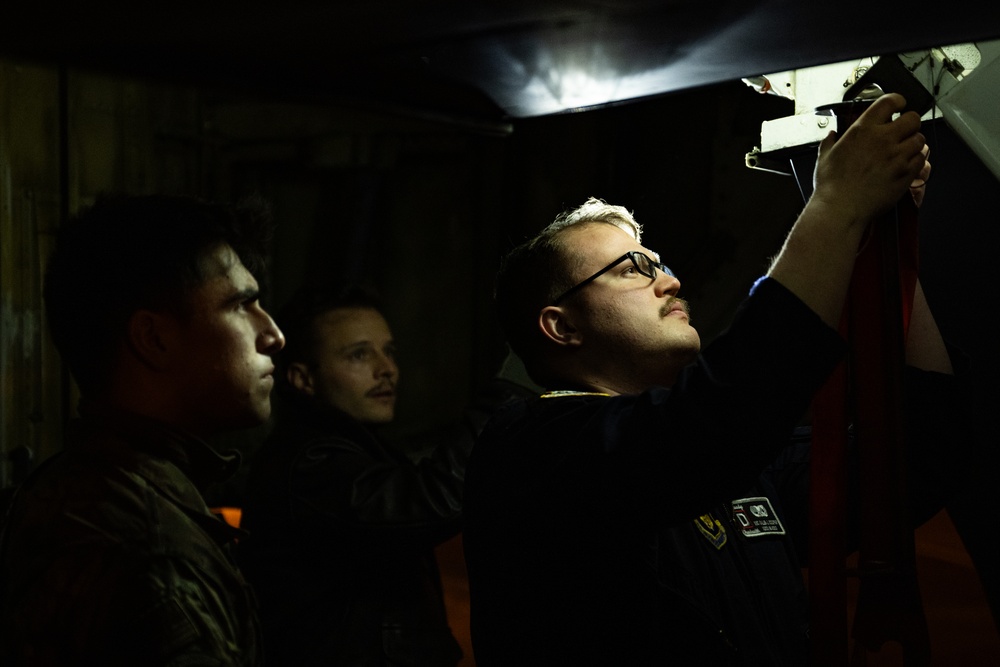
(838, 211)
(818, 257)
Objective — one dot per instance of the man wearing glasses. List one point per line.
(621, 518)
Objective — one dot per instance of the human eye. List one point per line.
(240, 306)
(358, 354)
(629, 271)
(645, 265)
(245, 300)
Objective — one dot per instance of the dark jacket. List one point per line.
(110, 556)
(342, 531)
(640, 530)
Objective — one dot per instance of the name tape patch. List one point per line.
(755, 517)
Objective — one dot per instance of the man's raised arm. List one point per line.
(859, 176)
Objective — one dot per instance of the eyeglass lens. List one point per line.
(647, 266)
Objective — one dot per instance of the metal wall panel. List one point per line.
(65, 137)
(30, 375)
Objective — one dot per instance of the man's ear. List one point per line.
(149, 337)
(300, 378)
(556, 324)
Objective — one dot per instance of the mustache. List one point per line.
(381, 388)
(672, 303)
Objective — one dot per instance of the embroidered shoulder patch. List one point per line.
(755, 517)
(712, 529)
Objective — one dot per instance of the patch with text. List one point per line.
(755, 517)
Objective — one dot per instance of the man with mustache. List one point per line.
(622, 518)
(342, 524)
(109, 554)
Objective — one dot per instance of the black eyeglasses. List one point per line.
(641, 262)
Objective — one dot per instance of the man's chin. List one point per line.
(376, 422)
(258, 416)
(379, 416)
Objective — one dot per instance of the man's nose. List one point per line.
(386, 366)
(271, 339)
(666, 284)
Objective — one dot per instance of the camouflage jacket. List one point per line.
(111, 557)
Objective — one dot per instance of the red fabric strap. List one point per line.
(866, 391)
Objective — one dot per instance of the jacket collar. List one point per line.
(133, 435)
(325, 419)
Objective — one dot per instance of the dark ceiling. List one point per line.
(477, 60)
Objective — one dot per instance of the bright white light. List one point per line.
(575, 88)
